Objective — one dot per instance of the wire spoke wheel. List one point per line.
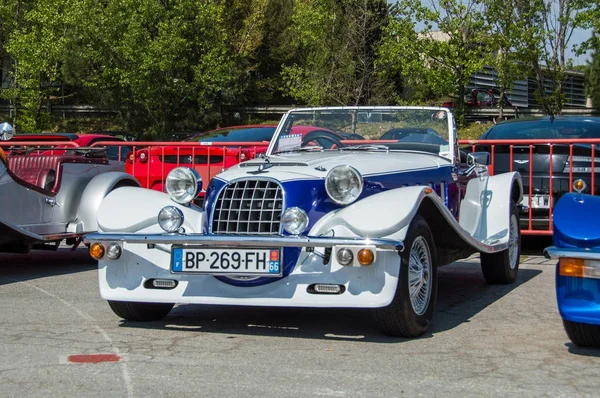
(419, 273)
(513, 242)
(411, 311)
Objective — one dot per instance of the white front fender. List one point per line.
(385, 214)
(133, 209)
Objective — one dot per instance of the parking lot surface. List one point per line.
(59, 338)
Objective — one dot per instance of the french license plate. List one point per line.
(537, 201)
(226, 261)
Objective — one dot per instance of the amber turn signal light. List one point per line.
(579, 185)
(365, 257)
(96, 251)
(571, 267)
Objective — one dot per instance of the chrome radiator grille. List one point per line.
(248, 207)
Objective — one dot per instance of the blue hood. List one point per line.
(577, 221)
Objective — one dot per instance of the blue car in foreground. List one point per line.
(577, 248)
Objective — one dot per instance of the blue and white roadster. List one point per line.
(576, 241)
(364, 223)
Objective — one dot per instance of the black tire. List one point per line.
(133, 311)
(402, 317)
(583, 334)
(502, 268)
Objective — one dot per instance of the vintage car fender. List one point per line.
(388, 214)
(486, 207)
(385, 214)
(576, 248)
(134, 209)
(9, 233)
(92, 196)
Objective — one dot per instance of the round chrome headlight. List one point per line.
(183, 184)
(294, 220)
(170, 218)
(343, 184)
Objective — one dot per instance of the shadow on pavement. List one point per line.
(463, 293)
(535, 245)
(582, 351)
(40, 264)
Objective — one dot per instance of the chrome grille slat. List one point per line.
(248, 207)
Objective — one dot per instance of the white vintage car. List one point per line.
(364, 223)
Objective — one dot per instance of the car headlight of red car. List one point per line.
(183, 185)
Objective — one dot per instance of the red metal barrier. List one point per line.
(150, 161)
(551, 174)
(152, 172)
(39, 144)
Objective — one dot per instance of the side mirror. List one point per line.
(6, 131)
(478, 159)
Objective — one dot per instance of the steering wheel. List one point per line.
(321, 138)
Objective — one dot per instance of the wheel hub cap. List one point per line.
(419, 275)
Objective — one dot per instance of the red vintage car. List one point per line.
(218, 150)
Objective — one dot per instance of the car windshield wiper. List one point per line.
(310, 148)
(366, 147)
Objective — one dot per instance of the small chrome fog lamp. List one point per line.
(113, 251)
(345, 256)
(170, 218)
(294, 220)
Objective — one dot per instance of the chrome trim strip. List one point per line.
(243, 241)
(554, 252)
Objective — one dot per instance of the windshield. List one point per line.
(243, 134)
(360, 128)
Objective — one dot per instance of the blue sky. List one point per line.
(579, 35)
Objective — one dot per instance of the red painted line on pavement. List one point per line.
(93, 358)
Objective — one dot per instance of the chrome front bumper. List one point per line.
(235, 241)
(553, 252)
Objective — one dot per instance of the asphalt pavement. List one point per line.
(59, 338)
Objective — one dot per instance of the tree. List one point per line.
(35, 40)
(548, 27)
(163, 64)
(505, 45)
(333, 51)
(451, 42)
(593, 76)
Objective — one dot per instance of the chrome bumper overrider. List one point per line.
(243, 241)
(558, 252)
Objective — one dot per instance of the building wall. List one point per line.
(522, 93)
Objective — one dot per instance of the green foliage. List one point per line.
(35, 42)
(593, 78)
(473, 131)
(158, 62)
(176, 65)
(333, 47)
(437, 61)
